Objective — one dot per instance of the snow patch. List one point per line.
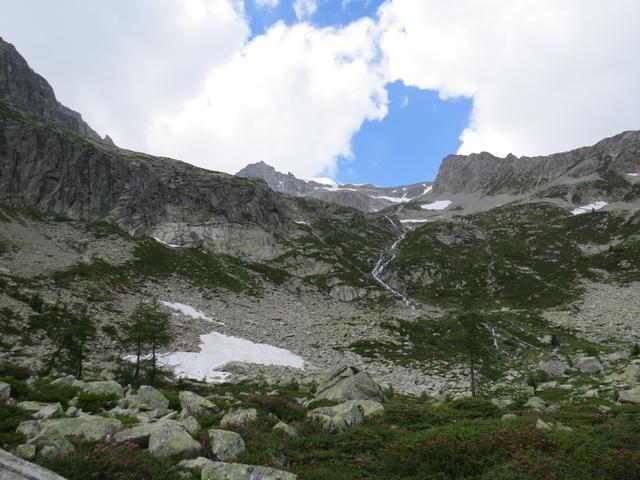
(437, 205)
(634, 174)
(325, 181)
(217, 349)
(301, 222)
(414, 220)
(403, 199)
(170, 245)
(427, 189)
(589, 208)
(187, 310)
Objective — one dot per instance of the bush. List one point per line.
(16, 371)
(474, 407)
(536, 378)
(111, 461)
(10, 418)
(44, 391)
(94, 402)
(284, 409)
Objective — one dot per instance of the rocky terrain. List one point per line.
(270, 282)
(369, 198)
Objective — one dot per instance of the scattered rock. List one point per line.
(629, 396)
(616, 356)
(240, 416)
(196, 405)
(239, 471)
(41, 409)
(170, 438)
(554, 368)
(87, 427)
(547, 385)
(225, 445)
(337, 418)
(287, 429)
(102, 387)
(149, 399)
(5, 391)
(535, 403)
(588, 364)
(349, 383)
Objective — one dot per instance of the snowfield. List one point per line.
(588, 208)
(217, 349)
(437, 205)
(170, 245)
(634, 174)
(414, 220)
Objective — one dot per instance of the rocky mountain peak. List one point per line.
(24, 89)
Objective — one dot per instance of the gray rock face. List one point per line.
(225, 445)
(349, 383)
(369, 198)
(568, 172)
(238, 471)
(15, 468)
(25, 89)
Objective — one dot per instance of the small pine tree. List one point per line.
(475, 344)
(149, 331)
(81, 331)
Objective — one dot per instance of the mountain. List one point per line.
(369, 198)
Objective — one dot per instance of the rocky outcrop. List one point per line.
(349, 383)
(336, 419)
(14, 468)
(241, 416)
(225, 445)
(23, 88)
(586, 172)
(193, 404)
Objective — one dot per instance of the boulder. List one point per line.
(368, 407)
(629, 396)
(284, 428)
(616, 356)
(190, 424)
(588, 364)
(225, 445)
(239, 471)
(15, 468)
(535, 403)
(87, 427)
(194, 464)
(138, 434)
(237, 368)
(68, 381)
(196, 405)
(548, 385)
(554, 368)
(60, 447)
(5, 391)
(41, 409)
(632, 373)
(336, 419)
(542, 425)
(102, 388)
(26, 451)
(149, 399)
(349, 383)
(170, 438)
(240, 416)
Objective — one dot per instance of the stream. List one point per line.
(385, 259)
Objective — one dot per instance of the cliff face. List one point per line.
(489, 175)
(23, 88)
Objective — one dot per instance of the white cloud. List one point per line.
(122, 63)
(267, 3)
(305, 8)
(544, 75)
(292, 97)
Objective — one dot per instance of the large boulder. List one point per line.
(629, 396)
(587, 364)
(225, 445)
(138, 434)
(368, 407)
(171, 439)
(5, 391)
(41, 409)
(241, 416)
(554, 368)
(86, 427)
(239, 471)
(632, 372)
(194, 404)
(336, 419)
(102, 388)
(349, 383)
(148, 399)
(15, 468)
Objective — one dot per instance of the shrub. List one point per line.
(10, 418)
(284, 409)
(474, 407)
(16, 371)
(111, 461)
(44, 391)
(635, 350)
(536, 378)
(94, 402)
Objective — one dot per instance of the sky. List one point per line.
(363, 91)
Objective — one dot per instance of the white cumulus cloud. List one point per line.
(292, 97)
(544, 76)
(305, 8)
